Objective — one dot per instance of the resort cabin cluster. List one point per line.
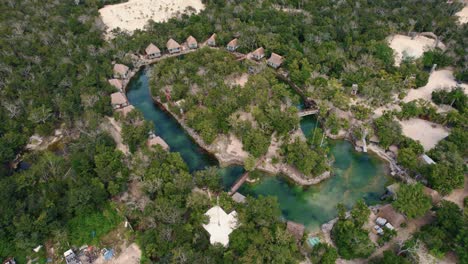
(274, 61)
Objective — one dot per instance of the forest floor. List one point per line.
(428, 133)
(116, 132)
(135, 14)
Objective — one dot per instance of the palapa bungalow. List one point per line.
(120, 71)
(118, 100)
(232, 45)
(125, 110)
(391, 215)
(172, 46)
(192, 42)
(258, 54)
(117, 83)
(212, 40)
(296, 229)
(152, 52)
(275, 60)
(155, 140)
(220, 225)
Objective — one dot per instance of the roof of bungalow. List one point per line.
(191, 40)
(427, 159)
(259, 52)
(220, 225)
(151, 49)
(233, 43)
(275, 59)
(157, 141)
(116, 83)
(239, 198)
(393, 188)
(388, 212)
(120, 68)
(296, 229)
(125, 110)
(118, 98)
(172, 44)
(212, 37)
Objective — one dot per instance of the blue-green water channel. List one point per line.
(356, 175)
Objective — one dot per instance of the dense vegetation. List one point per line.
(412, 201)
(448, 232)
(53, 69)
(350, 238)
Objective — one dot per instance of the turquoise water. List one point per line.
(356, 175)
(167, 127)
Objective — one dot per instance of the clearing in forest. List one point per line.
(405, 46)
(428, 133)
(462, 15)
(442, 79)
(134, 14)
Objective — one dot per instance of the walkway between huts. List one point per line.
(240, 181)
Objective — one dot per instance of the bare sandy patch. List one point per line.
(405, 46)
(134, 14)
(237, 79)
(428, 133)
(235, 147)
(129, 255)
(463, 15)
(442, 79)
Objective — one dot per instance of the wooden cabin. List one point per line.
(120, 71)
(192, 42)
(173, 46)
(118, 100)
(211, 40)
(275, 60)
(152, 52)
(232, 45)
(117, 83)
(258, 54)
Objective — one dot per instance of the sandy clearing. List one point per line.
(428, 133)
(463, 15)
(457, 196)
(135, 14)
(237, 79)
(129, 255)
(441, 79)
(378, 112)
(235, 147)
(404, 46)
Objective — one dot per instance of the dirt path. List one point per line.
(458, 195)
(115, 130)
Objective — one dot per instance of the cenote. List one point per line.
(356, 175)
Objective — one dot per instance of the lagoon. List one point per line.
(356, 175)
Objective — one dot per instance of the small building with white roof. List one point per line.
(220, 225)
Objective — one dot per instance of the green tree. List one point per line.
(412, 201)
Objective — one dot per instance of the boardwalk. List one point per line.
(307, 112)
(243, 178)
(239, 183)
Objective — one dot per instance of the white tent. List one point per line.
(220, 225)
